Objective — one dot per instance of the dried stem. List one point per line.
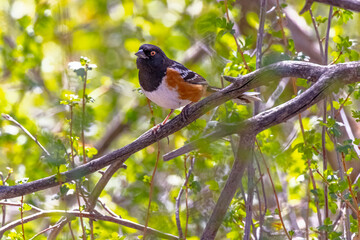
(22, 217)
(186, 199)
(353, 195)
(323, 146)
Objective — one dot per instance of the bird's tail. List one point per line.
(244, 98)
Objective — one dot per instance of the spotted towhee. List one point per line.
(171, 85)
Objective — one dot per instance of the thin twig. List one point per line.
(186, 200)
(249, 201)
(281, 24)
(323, 146)
(71, 138)
(235, 39)
(3, 207)
(94, 216)
(317, 33)
(44, 230)
(152, 179)
(151, 190)
(83, 114)
(342, 105)
(22, 216)
(84, 100)
(260, 34)
(18, 204)
(61, 223)
(108, 210)
(327, 36)
(275, 194)
(336, 59)
(307, 212)
(262, 213)
(80, 210)
(323, 131)
(73, 165)
(71, 231)
(178, 198)
(9, 118)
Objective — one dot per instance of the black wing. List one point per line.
(188, 75)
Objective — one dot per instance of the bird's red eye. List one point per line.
(152, 53)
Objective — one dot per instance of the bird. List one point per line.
(171, 85)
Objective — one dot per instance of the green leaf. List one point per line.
(213, 185)
(320, 19)
(349, 171)
(343, 185)
(195, 186)
(82, 208)
(356, 115)
(336, 104)
(26, 207)
(147, 179)
(91, 151)
(301, 82)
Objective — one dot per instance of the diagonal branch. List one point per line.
(243, 157)
(97, 216)
(329, 81)
(353, 5)
(347, 72)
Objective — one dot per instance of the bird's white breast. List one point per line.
(166, 97)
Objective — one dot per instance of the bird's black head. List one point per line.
(150, 58)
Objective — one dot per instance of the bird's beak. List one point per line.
(141, 54)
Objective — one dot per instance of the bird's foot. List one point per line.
(185, 112)
(156, 128)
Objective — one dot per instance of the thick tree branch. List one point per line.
(331, 79)
(353, 5)
(242, 159)
(348, 72)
